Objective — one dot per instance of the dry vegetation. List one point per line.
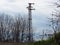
(8, 43)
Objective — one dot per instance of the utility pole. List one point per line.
(30, 37)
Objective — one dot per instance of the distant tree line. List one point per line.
(55, 20)
(13, 28)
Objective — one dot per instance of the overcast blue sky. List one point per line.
(43, 10)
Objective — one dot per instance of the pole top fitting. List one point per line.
(31, 3)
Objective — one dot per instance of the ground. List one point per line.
(6, 43)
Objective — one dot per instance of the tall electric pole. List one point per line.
(30, 37)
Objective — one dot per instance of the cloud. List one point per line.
(10, 0)
(42, 10)
(20, 5)
(41, 6)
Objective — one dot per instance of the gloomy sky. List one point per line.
(43, 10)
